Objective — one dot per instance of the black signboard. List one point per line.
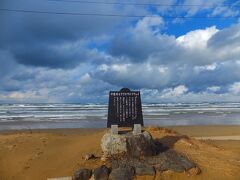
(124, 108)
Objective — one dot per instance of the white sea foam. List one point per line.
(95, 115)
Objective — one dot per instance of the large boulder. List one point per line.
(128, 144)
(171, 160)
(113, 144)
(140, 145)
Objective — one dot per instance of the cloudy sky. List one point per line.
(55, 58)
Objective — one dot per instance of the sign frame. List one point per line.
(124, 108)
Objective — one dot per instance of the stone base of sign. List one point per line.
(131, 155)
(114, 129)
(140, 152)
(133, 145)
(137, 129)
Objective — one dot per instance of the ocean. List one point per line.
(48, 116)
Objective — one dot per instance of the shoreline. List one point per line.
(196, 130)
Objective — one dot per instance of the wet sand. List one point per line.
(42, 154)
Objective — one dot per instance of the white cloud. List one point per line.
(210, 67)
(102, 68)
(235, 88)
(149, 25)
(121, 68)
(198, 38)
(85, 78)
(213, 7)
(174, 92)
(225, 12)
(26, 96)
(213, 88)
(138, 75)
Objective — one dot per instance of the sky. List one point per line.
(62, 58)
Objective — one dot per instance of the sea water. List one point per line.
(45, 116)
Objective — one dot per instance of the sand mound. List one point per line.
(214, 161)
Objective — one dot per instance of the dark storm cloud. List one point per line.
(9, 85)
(132, 48)
(139, 49)
(44, 56)
(29, 37)
(7, 64)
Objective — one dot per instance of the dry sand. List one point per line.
(41, 154)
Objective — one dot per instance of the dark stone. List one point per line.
(168, 160)
(124, 108)
(145, 170)
(171, 160)
(174, 166)
(126, 173)
(158, 146)
(126, 163)
(184, 161)
(101, 173)
(82, 174)
(139, 146)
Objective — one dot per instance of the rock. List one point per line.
(126, 173)
(90, 156)
(147, 135)
(137, 129)
(113, 144)
(140, 145)
(128, 144)
(174, 166)
(159, 147)
(171, 160)
(114, 129)
(144, 155)
(101, 173)
(185, 162)
(125, 162)
(194, 171)
(82, 174)
(145, 170)
(176, 160)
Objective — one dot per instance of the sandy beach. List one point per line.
(119, 90)
(42, 154)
